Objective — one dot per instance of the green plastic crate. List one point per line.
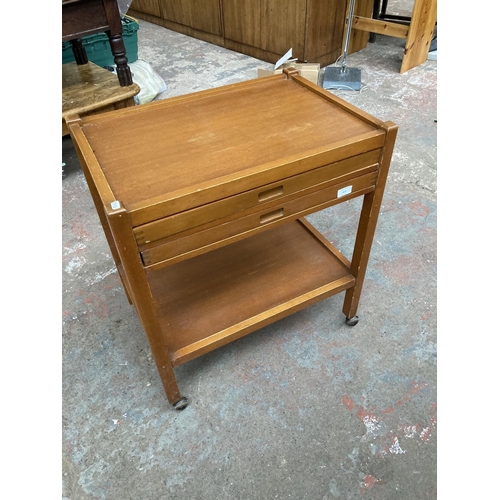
(99, 50)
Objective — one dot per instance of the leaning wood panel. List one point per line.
(423, 22)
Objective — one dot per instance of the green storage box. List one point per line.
(98, 48)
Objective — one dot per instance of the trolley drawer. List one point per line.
(233, 228)
(260, 198)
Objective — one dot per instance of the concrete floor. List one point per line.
(307, 408)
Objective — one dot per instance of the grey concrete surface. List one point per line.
(306, 408)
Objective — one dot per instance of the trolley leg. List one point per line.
(366, 228)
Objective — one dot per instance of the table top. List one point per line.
(82, 18)
(88, 87)
(211, 144)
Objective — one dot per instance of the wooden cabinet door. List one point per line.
(324, 28)
(201, 15)
(272, 25)
(147, 6)
(242, 21)
(283, 26)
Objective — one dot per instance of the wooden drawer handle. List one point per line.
(276, 214)
(271, 193)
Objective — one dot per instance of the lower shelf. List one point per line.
(215, 298)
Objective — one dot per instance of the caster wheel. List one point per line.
(352, 321)
(181, 404)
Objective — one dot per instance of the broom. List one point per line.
(342, 77)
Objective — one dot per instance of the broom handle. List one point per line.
(348, 34)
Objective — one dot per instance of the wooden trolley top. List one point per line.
(172, 155)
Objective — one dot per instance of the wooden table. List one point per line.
(87, 17)
(202, 198)
(89, 89)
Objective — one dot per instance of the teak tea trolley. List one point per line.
(202, 199)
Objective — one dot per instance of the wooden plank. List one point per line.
(423, 22)
(380, 27)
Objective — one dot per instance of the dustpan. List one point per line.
(341, 77)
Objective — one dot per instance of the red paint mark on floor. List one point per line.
(97, 304)
(348, 402)
(363, 414)
(416, 387)
(368, 482)
(400, 269)
(80, 231)
(419, 208)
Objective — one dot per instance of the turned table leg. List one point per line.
(79, 51)
(121, 61)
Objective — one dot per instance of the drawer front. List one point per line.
(211, 236)
(260, 198)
